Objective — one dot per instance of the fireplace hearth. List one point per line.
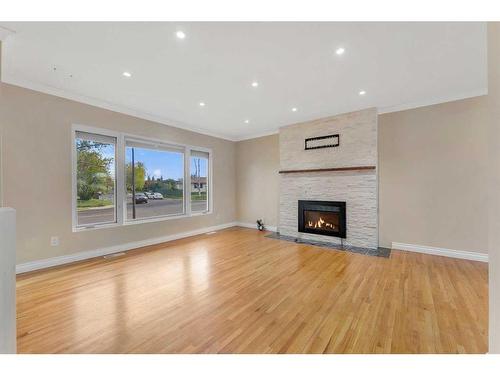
(322, 217)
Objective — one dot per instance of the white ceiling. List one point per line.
(400, 65)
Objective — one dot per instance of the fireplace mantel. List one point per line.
(360, 168)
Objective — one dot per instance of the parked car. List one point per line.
(150, 195)
(140, 198)
(158, 196)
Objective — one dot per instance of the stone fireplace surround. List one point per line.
(358, 188)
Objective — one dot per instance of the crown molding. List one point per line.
(256, 135)
(95, 102)
(5, 32)
(47, 89)
(391, 109)
(432, 101)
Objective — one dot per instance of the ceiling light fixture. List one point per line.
(294, 109)
(127, 74)
(255, 84)
(202, 104)
(340, 51)
(247, 121)
(362, 92)
(180, 34)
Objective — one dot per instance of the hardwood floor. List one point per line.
(238, 292)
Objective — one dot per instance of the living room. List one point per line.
(249, 187)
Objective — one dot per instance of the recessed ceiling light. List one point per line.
(294, 109)
(340, 51)
(180, 34)
(255, 84)
(202, 104)
(247, 121)
(362, 92)
(127, 74)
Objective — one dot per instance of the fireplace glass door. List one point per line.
(323, 220)
(327, 218)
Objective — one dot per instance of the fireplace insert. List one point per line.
(322, 217)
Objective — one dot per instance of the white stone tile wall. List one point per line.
(358, 142)
(359, 189)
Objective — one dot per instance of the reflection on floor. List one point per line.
(237, 291)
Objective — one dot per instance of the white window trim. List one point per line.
(120, 195)
(151, 142)
(210, 180)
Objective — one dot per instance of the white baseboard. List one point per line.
(480, 257)
(254, 226)
(64, 259)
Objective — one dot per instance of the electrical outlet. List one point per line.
(54, 241)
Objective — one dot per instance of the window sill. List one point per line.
(97, 226)
(165, 218)
(201, 213)
(140, 221)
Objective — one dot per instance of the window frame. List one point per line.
(181, 149)
(209, 184)
(120, 187)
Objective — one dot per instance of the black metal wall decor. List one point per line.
(332, 140)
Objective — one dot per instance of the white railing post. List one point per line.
(7, 280)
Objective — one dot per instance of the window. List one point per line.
(95, 179)
(120, 179)
(199, 181)
(156, 180)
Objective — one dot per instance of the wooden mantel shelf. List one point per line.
(360, 168)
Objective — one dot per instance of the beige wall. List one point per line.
(494, 183)
(36, 157)
(432, 174)
(257, 180)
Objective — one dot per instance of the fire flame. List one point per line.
(321, 223)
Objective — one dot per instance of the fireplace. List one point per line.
(322, 217)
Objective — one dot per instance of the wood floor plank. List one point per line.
(237, 291)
